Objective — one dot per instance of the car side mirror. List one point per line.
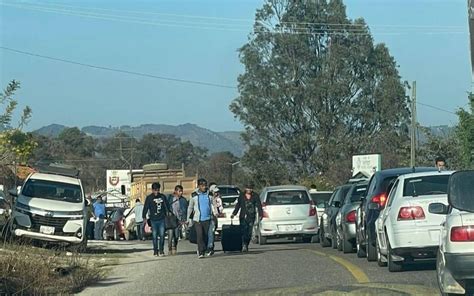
(374, 206)
(337, 204)
(326, 204)
(13, 192)
(438, 208)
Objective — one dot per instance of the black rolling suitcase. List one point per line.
(192, 234)
(231, 238)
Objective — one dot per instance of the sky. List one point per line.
(197, 41)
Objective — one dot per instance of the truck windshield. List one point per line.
(52, 190)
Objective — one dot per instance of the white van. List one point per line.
(51, 207)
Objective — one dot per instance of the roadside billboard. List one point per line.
(366, 164)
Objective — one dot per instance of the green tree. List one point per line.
(465, 134)
(316, 89)
(15, 145)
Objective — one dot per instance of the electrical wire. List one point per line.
(434, 107)
(117, 70)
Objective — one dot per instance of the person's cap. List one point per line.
(214, 188)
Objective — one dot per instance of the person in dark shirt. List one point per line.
(156, 206)
(248, 204)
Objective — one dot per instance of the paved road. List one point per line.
(282, 267)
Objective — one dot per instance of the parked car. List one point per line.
(114, 228)
(288, 211)
(406, 231)
(327, 224)
(372, 203)
(455, 258)
(320, 199)
(229, 195)
(346, 218)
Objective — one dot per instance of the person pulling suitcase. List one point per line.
(248, 204)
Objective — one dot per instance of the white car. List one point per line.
(51, 208)
(406, 230)
(288, 211)
(320, 198)
(229, 195)
(455, 260)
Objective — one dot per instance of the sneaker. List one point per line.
(245, 249)
(201, 255)
(155, 253)
(162, 254)
(210, 253)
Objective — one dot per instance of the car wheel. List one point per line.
(360, 250)
(323, 240)
(115, 235)
(393, 266)
(306, 239)
(334, 241)
(338, 240)
(262, 240)
(314, 239)
(346, 245)
(370, 249)
(379, 256)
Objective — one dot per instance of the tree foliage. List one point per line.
(465, 135)
(316, 89)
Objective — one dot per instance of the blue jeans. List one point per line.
(139, 230)
(210, 235)
(158, 231)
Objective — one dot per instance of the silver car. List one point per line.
(346, 217)
(288, 211)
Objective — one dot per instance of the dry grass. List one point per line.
(26, 270)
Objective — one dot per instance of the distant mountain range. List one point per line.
(198, 136)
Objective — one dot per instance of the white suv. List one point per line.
(51, 208)
(405, 229)
(455, 260)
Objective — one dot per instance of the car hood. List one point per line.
(49, 204)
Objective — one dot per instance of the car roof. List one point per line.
(424, 174)
(313, 191)
(55, 178)
(402, 171)
(284, 187)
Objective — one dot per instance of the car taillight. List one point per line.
(264, 207)
(351, 217)
(312, 209)
(380, 199)
(411, 213)
(462, 234)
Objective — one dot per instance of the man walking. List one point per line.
(156, 206)
(218, 209)
(100, 215)
(179, 207)
(248, 204)
(139, 219)
(200, 212)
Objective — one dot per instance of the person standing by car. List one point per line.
(217, 209)
(90, 215)
(179, 207)
(248, 204)
(156, 206)
(200, 212)
(138, 210)
(100, 215)
(440, 163)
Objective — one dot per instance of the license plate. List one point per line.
(47, 229)
(289, 227)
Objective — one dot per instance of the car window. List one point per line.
(356, 193)
(392, 194)
(290, 197)
(341, 195)
(224, 191)
(427, 185)
(371, 187)
(52, 190)
(320, 197)
(333, 195)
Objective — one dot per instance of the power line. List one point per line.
(117, 70)
(437, 108)
(61, 5)
(353, 29)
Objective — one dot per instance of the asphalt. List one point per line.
(279, 268)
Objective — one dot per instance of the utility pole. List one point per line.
(413, 125)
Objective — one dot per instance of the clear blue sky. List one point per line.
(149, 37)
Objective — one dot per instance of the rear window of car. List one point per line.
(290, 197)
(229, 196)
(229, 191)
(355, 193)
(427, 185)
(320, 197)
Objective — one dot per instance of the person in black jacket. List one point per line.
(156, 206)
(248, 204)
